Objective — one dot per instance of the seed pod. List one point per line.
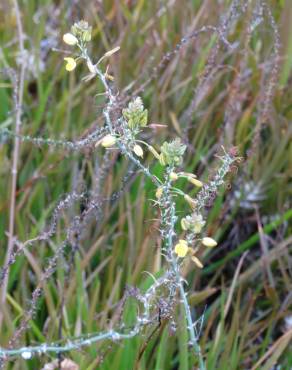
(154, 152)
(195, 182)
(112, 51)
(197, 262)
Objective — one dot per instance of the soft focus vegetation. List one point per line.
(209, 95)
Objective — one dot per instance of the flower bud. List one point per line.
(184, 224)
(70, 65)
(172, 153)
(173, 176)
(209, 242)
(159, 192)
(181, 248)
(86, 35)
(70, 39)
(108, 141)
(138, 150)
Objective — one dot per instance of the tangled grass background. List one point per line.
(81, 238)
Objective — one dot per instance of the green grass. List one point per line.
(244, 326)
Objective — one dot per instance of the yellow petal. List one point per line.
(181, 248)
(209, 242)
(71, 64)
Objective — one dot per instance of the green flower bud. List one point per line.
(82, 30)
(193, 223)
(135, 115)
(172, 153)
(86, 35)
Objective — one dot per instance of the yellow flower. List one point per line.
(71, 64)
(209, 242)
(138, 150)
(181, 248)
(70, 39)
(108, 141)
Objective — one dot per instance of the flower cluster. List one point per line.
(193, 223)
(135, 115)
(172, 153)
(182, 249)
(171, 156)
(80, 35)
(82, 31)
(133, 118)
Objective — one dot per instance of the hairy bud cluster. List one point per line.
(81, 30)
(135, 115)
(172, 153)
(193, 223)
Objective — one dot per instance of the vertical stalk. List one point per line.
(175, 268)
(15, 155)
(190, 325)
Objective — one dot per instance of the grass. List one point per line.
(246, 298)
